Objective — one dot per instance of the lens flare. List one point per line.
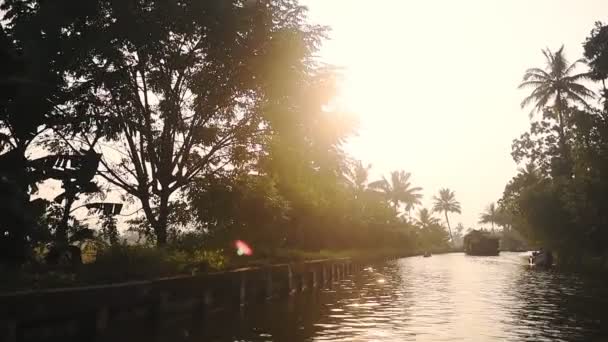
(242, 248)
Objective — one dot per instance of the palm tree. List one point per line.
(446, 202)
(399, 189)
(557, 83)
(530, 170)
(357, 176)
(426, 218)
(490, 215)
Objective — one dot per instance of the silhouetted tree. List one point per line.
(556, 85)
(426, 219)
(31, 88)
(596, 54)
(399, 189)
(490, 215)
(179, 89)
(357, 176)
(446, 202)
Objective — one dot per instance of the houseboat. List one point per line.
(479, 242)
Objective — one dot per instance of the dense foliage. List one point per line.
(212, 120)
(559, 198)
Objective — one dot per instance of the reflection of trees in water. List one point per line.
(559, 306)
(421, 299)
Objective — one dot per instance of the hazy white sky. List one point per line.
(434, 82)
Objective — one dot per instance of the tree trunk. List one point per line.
(562, 129)
(161, 224)
(492, 226)
(565, 167)
(158, 223)
(160, 229)
(449, 228)
(605, 94)
(61, 235)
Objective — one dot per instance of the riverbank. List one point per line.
(89, 312)
(137, 263)
(582, 263)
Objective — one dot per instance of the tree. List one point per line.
(31, 88)
(558, 84)
(490, 215)
(179, 89)
(426, 219)
(459, 233)
(357, 176)
(234, 205)
(398, 190)
(431, 234)
(446, 202)
(596, 54)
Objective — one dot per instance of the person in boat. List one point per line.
(542, 258)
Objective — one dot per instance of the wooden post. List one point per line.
(290, 285)
(101, 320)
(303, 277)
(158, 308)
(323, 275)
(269, 289)
(243, 289)
(8, 331)
(208, 298)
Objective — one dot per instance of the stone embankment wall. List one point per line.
(87, 312)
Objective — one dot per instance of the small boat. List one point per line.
(427, 254)
(541, 259)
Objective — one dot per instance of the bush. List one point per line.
(124, 263)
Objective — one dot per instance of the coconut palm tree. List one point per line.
(530, 170)
(490, 215)
(399, 189)
(446, 202)
(357, 175)
(555, 85)
(459, 233)
(426, 218)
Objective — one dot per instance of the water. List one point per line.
(443, 298)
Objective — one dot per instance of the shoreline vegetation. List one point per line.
(177, 134)
(558, 199)
(194, 131)
(140, 265)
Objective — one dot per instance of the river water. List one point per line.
(449, 297)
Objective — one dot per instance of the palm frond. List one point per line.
(548, 56)
(556, 79)
(382, 185)
(527, 84)
(573, 66)
(536, 74)
(577, 98)
(580, 90)
(578, 77)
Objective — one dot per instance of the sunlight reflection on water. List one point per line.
(444, 298)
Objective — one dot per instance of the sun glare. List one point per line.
(434, 84)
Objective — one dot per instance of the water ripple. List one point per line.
(444, 298)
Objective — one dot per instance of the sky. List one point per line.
(434, 83)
